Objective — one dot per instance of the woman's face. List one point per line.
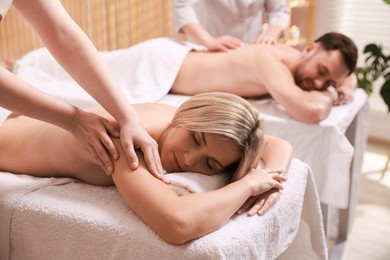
(187, 151)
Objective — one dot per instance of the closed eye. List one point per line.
(208, 163)
(195, 138)
(321, 72)
(213, 165)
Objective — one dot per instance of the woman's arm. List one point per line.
(78, 56)
(279, 14)
(180, 219)
(277, 154)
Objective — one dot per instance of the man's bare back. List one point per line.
(239, 71)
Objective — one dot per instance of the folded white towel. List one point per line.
(188, 182)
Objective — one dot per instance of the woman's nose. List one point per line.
(190, 158)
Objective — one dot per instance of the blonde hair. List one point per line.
(228, 115)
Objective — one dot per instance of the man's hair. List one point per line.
(337, 41)
(230, 116)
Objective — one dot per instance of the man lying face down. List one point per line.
(307, 83)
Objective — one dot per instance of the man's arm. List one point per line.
(306, 106)
(346, 90)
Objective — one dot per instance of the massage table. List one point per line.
(62, 218)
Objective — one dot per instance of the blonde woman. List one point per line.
(209, 134)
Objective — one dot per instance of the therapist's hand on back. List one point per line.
(134, 136)
(92, 131)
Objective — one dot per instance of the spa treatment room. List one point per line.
(195, 129)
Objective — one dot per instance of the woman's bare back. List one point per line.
(33, 147)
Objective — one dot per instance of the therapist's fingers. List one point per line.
(266, 39)
(153, 162)
(107, 141)
(91, 132)
(103, 156)
(134, 136)
(230, 42)
(223, 43)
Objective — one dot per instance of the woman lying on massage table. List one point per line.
(209, 133)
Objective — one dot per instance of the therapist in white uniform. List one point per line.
(226, 24)
(78, 56)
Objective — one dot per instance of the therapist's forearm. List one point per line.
(197, 32)
(85, 64)
(20, 97)
(76, 54)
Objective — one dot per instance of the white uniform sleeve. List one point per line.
(4, 7)
(279, 12)
(184, 13)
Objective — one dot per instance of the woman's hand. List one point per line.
(261, 203)
(134, 136)
(266, 39)
(223, 43)
(267, 189)
(262, 180)
(92, 131)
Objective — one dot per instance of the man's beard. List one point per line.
(299, 80)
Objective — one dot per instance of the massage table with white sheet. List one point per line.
(61, 218)
(333, 148)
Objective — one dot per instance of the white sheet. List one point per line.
(146, 73)
(64, 219)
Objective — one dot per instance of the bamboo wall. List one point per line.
(110, 24)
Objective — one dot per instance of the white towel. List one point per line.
(146, 71)
(188, 182)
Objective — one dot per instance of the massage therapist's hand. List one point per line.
(266, 39)
(223, 43)
(134, 136)
(92, 131)
(261, 203)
